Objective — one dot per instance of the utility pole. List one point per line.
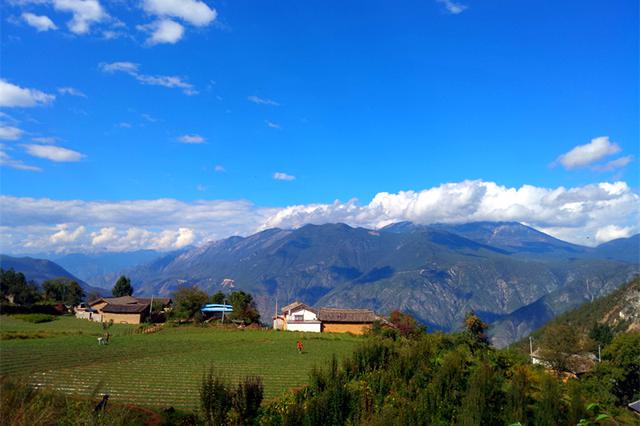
(599, 354)
(151, 306)
(531, 348)
(224, 306)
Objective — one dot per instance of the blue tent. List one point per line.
(216, 307)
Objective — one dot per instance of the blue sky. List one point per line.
(343, 100)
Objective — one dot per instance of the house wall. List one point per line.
(121, 318)
(308, 327)
(343, 327)
(307, 315)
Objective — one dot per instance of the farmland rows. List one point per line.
(166, 368)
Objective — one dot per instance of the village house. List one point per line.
(120, 310)
(301, 317)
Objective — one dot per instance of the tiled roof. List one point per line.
(347, 315)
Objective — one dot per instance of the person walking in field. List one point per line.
(299, 346)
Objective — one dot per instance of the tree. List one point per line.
(189, 300)
(406, 324)
(15, 288)
(558, 344)
(476, 328)
(623, 356)
(601, 333)
(244, 308)
(218, 297)
(122, 287)
(63, 290)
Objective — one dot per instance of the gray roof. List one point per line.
(347, 315)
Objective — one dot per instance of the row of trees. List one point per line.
(15, 288)
(189, 300)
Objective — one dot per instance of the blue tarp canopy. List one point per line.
(216, 307)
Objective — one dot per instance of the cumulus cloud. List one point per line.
(71, 92)
(84, 13)
(12, 95)
(39, 22)
(10, 133)
(453, 7)
(219, 168)
(272, 125)
(191, 139)
(283, 176)
(613, 232)
(66, 235)
(164, 31)
(53, 153)
(587, 154)
(262, 101)
(194, 12)
(584, 215)
(154, 80)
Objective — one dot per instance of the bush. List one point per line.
(35, 318)
(215, 399)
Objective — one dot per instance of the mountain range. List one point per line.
(515, 277)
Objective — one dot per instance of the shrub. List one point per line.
(247, 399)
(35, 318)
(215, 399)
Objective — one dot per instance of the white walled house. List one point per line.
(298, 317)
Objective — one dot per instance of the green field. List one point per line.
(161, 369)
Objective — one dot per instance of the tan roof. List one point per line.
(347, 315)
(129, 300)
(297, 305)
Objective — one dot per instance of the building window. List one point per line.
(298, 317)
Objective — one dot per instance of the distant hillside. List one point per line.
(103, 269)
(40, 270)
(619, 310)
(431, 272)
(627, 249)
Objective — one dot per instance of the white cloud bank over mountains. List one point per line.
(586, 215)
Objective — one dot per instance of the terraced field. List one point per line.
(165, 368)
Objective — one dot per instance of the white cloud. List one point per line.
(283, 176)
(165, 31)
(45, 139)
(584, 155)
(7, 161)
(53, 153)
(154, 80)
(582, 215)
(191, 139)
(128, 67)
(201, 187)
(453, 7)
(10, 133)
(194, 12)
(85, 13)
(71, 92)
(185, 237)
(219, 168)
(612, 232)
(39, 22)
(16, 96)
(273, 125)
(65, 235)
(105, 235)
(614, 164)
(262, 101)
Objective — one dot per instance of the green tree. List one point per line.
(122, 287)
(476, 328)
(189, 300)
(558, 344)
(14, 287)
(63, 290)
(601, 333)
(215, 399)
(549, 408)
(406, 324)
(218, 297)
(244, 308)
(623, 357)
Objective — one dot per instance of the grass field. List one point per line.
(161, 369)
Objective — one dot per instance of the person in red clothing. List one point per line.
(299, 346)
